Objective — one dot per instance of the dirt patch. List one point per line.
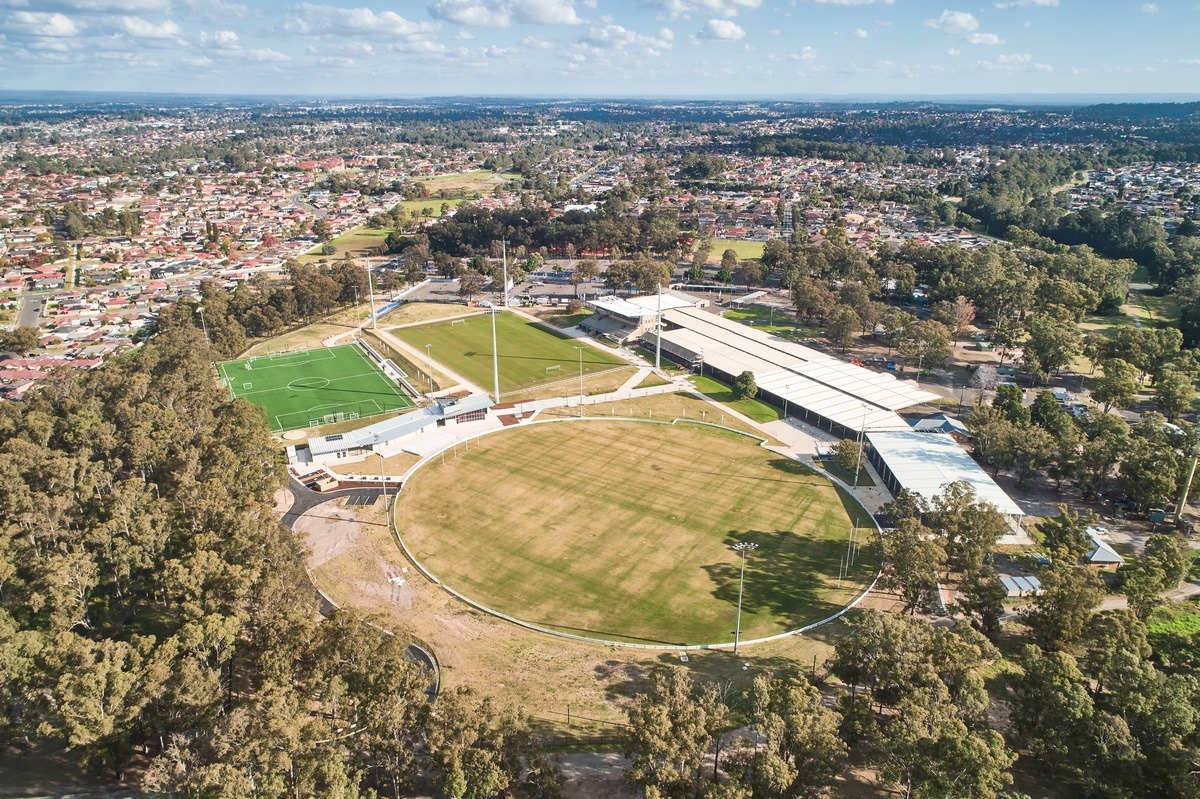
(283, 501)
(329, 530)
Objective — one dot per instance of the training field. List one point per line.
(529, 355)
(622, 530)
(305, 389)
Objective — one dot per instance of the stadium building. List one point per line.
(419, 432)
(809, 385)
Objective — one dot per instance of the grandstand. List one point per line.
(807, 384)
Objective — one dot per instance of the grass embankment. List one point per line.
(775, 321)
(754, 409)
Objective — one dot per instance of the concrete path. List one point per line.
(641, 374)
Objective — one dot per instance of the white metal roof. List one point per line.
(1103, 553)
(745, 298)
(397, 427)
(833, 403)
(925, 463)
(800, 375)
(640, 307)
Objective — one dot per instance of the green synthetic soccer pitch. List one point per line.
(318, 386)
(529, 354)
(624, 531)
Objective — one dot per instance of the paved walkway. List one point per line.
(641, 374)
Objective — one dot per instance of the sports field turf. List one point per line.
(529, 355)
(622, 530)
(303, 389)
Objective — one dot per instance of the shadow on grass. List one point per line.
(784, 576)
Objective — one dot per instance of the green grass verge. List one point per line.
(773, 321)
(430, 208)
(623, 530)
(301, 389)
(746, 250)
(754, 409)
(652, 380)
(527, 351)
(847, 477)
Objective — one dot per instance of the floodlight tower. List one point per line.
(741, 547)
(495, 357)
(580, 380)
(862, 436)
(375, 323)
(504, 267)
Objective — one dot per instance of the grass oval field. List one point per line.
(622, 530)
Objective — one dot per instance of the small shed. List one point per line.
(1019, 585)
(1102, 555)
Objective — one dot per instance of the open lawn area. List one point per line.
(430, 208)
(746, 250)
(308, 336)
(770, 320)
(307, 388)
(413, 313)
(476, 182)
(624, 530)
(356, 242)
(757, 410)
(529, 353)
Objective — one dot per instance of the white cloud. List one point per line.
(502, 13)
(851, 2)
(145, 29)
(465, 36)
(546, 12)
(469, 12)
(1150, 8)
(860, 33)
(611, 36)
(1003, 6)
(954, 51)
(721, 30)
(219, 40)
(954, 22)
(358, 23)
(42, 23)
(215, 10)
(1012, 63)
(964, 24)
(805, 55)
(92, 6)
(723, 8)
(267, 54)
(774, 32)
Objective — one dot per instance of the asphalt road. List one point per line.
(31, 308)
(305, 500)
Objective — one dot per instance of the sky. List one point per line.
(591, 48)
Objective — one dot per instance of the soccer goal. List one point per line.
(555, 368)
(455, 322)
